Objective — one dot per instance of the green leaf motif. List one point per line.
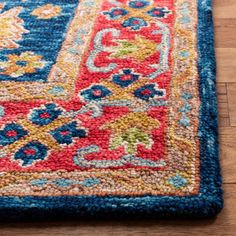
(130, 139)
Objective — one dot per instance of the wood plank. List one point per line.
(227, 130)
(224, 122)
(227, 157)
(231, 88)
(226, 64)
(224, 8)
(224, 29)
(222, 98)
(223, 110)
(224, 224)
(221, 88)
(228, 153)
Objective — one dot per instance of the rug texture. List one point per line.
(108, 107)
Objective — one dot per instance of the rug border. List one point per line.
(207, 203)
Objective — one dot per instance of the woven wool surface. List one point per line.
(108, 107)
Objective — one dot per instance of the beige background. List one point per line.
(225, 223)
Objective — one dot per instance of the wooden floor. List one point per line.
(225, 224)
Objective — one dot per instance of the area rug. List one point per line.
(108, 108)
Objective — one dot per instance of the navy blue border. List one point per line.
(207, 203)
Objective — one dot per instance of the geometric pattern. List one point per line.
(102, 98)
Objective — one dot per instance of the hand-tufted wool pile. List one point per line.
(108, 108)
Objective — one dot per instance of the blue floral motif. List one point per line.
(39, 182)
(116, 13)
(65, 182)
(125, 79)
(96, 92)
(158, 12)
(135, 23)
(147, 92)
(62, 182)
(66, 133)
(185, 109)
(11, 133)
(184, 121)
(45, 115)
(89, 182)
(31, 152)
(2, 112)
(177, 181)
(56, 90)
(139, 4)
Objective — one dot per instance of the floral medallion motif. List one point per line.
(19, 65)
(11, 27)
(47, 11)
